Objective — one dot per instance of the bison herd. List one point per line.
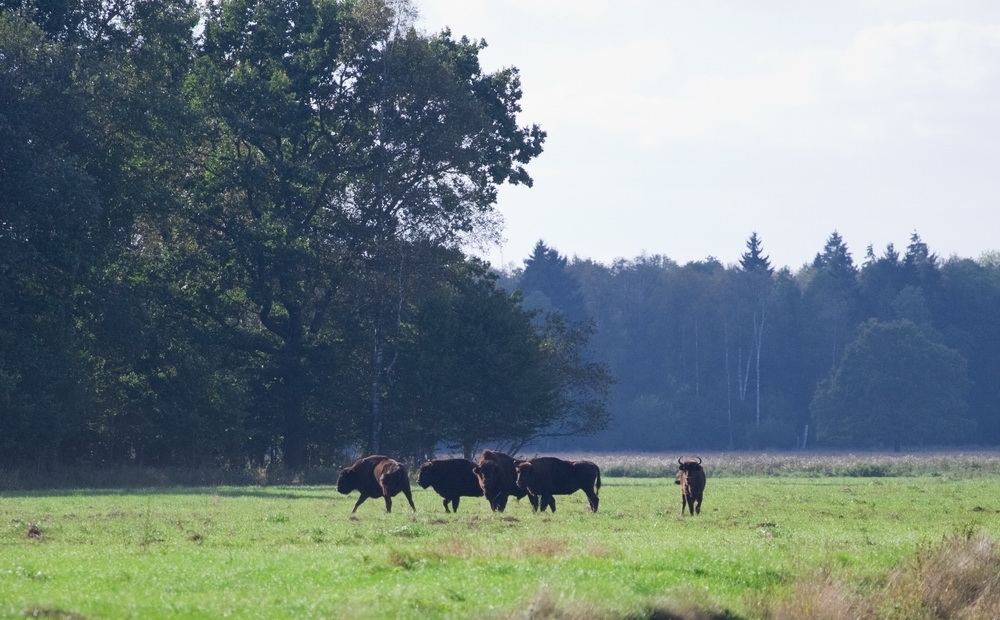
(497, 477)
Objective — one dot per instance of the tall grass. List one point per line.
(958, 578)
(951, 464)
(814, 464)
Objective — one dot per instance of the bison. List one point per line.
(373, 476)
(547, 476)
(691, 477)
(497, 475)
(451, 479)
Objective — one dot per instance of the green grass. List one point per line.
(272, 552)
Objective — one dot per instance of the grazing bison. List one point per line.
(691, 477)
(497, 475)
(547, 476)
(451, 479)
(373, 476)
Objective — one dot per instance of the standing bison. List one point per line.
(691, 477)
(497, 475)
(375, 476)
(451, 479)
(547, 476)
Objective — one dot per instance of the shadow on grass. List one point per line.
(62, 481)
(260, 492)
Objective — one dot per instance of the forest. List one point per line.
(901, 351)
(237, 234)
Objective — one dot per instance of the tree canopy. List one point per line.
(230, 232)
(894, 387)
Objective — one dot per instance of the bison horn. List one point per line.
(680, 462)
(699, 459)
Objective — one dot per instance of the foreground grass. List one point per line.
(272, 552)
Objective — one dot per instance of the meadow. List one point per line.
(893, 540)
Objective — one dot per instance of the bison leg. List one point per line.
(388, 503)
(593, 499)
(454, 504)
(445, 502)
(360, 500)
(689, 501)
(409, 498)
(534, 502)
(547, 501)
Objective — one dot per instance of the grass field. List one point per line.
(764, 547)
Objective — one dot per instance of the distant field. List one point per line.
(765, 546)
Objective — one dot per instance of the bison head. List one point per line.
(348, 480)
(488, 475)
(525, 475)
(689, 465)
(426, 474)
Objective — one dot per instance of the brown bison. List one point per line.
(451, 479)
(497, 475)
(547, 476)
(375, 476)
(691, 477)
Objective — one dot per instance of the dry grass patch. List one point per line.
(958, 579)
(546, 606)
(821, 597)
(539, 547)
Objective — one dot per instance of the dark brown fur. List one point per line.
(497, 475)
(547, 476)
(451, 479)
(691, 477)
(375, 476)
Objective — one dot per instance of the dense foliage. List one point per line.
(230, 232)
(901, 351)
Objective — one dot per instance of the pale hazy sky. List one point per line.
(680, 127)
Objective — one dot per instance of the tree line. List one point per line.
(902, 350)
(230, 234)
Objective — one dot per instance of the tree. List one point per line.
(548, 286)
(756, 285)
(444, 137)
(81, 93)
(830, 308)
(336, 136)
(880, 281)
(968, 319)
(48, 240)
(894, 387)
(753, 260)
(474, 370)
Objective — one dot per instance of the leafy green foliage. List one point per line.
(894, 386)
(213, 217)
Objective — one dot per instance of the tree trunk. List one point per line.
(729, 388)
(294, 444)
(758, 330)
(375, 440)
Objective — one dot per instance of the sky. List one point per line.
(678, 128)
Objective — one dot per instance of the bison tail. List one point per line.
(597, 485)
